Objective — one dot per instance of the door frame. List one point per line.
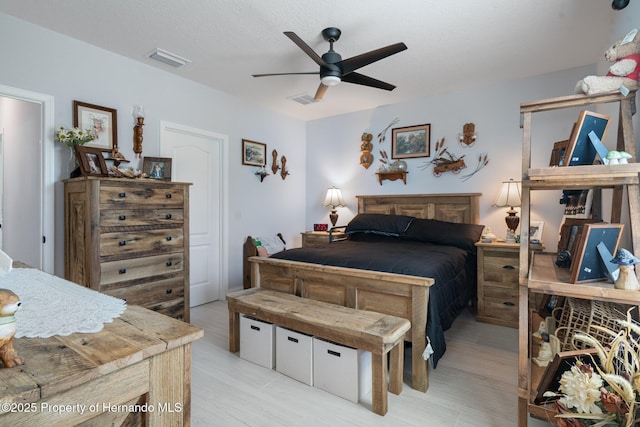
(47, 186)
(223, 203)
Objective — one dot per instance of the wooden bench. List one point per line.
(365, 330)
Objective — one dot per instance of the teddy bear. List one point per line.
(9, 304)
(625, 71)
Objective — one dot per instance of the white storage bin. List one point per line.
(343, 371)
(294, 354)
(257, 341)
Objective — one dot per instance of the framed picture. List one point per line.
(91, 161)
(410, 142)
(157, 167)
(254, 153)
(101, 120)
(535, 231)
(558, 152)
(581, 151)
(587, 265)
(570, 232)
(562, 362)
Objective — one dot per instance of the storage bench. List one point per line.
(365, 330)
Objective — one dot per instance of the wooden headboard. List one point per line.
(464, 208)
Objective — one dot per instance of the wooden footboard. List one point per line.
(394, 294)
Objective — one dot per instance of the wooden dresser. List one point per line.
(130, 239)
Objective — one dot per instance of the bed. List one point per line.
(384, 284)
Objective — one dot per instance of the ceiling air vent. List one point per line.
(168, 58)
(304, 99)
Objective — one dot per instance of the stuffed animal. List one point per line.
(625, 72)
(9, 304)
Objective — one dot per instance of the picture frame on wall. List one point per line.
(102, 121)
(254, 153)
(91, 161)
(157, 167)
(581, 151)
(411, 142)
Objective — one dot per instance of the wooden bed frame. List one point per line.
(395, 294)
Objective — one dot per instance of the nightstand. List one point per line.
(498, 266)
(498, 272)
(319, 238)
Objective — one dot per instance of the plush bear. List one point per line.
(9, 304)
(625, 54)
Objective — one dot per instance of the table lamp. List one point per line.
(334, 199)
(509, 195)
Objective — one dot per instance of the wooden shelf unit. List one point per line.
(538, 272)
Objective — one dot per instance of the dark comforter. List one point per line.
(453, 269)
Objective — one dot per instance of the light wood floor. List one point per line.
(475, 384)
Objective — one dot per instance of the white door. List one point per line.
(198, 157)
(1, 186)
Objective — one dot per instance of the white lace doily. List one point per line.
(54, 306)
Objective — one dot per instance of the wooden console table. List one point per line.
(136, 371)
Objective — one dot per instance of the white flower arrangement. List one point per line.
(74, 136)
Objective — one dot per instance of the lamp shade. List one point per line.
(509, 194)
(334, 198)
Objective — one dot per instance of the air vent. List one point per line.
(168, 58)
(304, 99)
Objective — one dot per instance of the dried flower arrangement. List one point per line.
(606, 393)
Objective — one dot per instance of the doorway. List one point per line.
(28, 177)
(199, 157)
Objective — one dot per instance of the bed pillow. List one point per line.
(463, 236)
(381, 224)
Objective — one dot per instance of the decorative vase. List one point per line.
(73, 169)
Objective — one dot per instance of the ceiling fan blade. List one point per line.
(284, 74)
(361, 79)
(306, 48)
(322, 89)
(353, 63)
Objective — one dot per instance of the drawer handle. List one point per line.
(334, 353)
(292, 339)
(169, 263)
(169, 291)
(509, 303)
(122, 195)
(255, 328)
(122, 271)
(122, 243)
(122, 217)
(168, 195)
(168, 216)
(508, 267)
(168, 238)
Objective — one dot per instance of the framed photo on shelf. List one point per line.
(410, 142)
(91, 161)
(157, 167)
(587, 265)
(254, 153)
(100, 120)
(581, 151)
(535, 231)
(570, 232)
(562, 362)
(557, 154)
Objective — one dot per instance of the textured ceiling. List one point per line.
(452, 45)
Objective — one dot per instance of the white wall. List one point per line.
(334, 148)
(46, 62)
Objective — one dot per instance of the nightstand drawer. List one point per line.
(501, 267)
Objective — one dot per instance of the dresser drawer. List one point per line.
(501, 267)
(139, 242)
(165, 296)
(114, 195)
(138, 217)
(137, 268)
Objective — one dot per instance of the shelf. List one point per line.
(546, 277)
(572, 101)
(580, 177)
(392, 176)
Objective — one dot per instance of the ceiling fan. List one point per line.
(333, 69)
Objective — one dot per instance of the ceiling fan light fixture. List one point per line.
(330, 80)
